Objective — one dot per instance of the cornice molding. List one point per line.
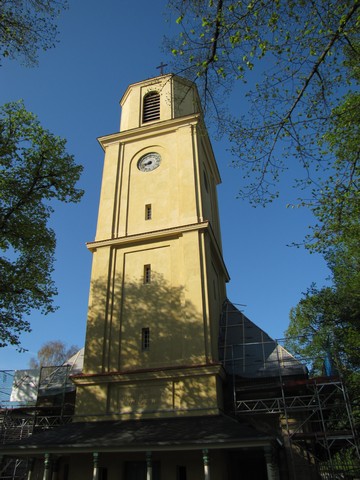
(148, 236)
(149, 129)
(149, 374)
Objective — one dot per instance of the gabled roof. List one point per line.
(249, 352)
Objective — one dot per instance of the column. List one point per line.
(148, 466)
(31, 464)
(205, 453)
(271, 466)
(55, 465)
(47, 467)
(95, 466)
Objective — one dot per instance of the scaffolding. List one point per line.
(32, 401)
(312, 417)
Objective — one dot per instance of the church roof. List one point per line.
(217, 431)
(247, 351)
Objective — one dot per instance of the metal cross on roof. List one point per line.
(161, 66)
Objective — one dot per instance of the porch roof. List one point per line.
(181, 433)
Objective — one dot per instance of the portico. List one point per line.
(213, 448)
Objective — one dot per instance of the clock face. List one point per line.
(149, 162)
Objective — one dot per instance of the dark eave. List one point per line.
(182, 433)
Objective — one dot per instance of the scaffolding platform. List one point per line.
(312, 416)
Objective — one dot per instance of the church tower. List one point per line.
(158, 276)
(149, 400)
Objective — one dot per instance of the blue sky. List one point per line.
(75, 92)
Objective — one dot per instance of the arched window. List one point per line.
(151, 107)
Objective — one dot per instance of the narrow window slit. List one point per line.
(147, 273)
(145, 339)
(148, 212)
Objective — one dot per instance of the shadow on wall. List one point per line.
(135, 327)
(177, 333)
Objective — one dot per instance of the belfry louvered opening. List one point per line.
(151, 110)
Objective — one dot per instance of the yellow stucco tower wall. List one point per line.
(158, 277)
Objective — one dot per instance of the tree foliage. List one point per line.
(326, 320)
(53, 353)
(324, 327)
(26, 26)
(292, 51)
(35, 171)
